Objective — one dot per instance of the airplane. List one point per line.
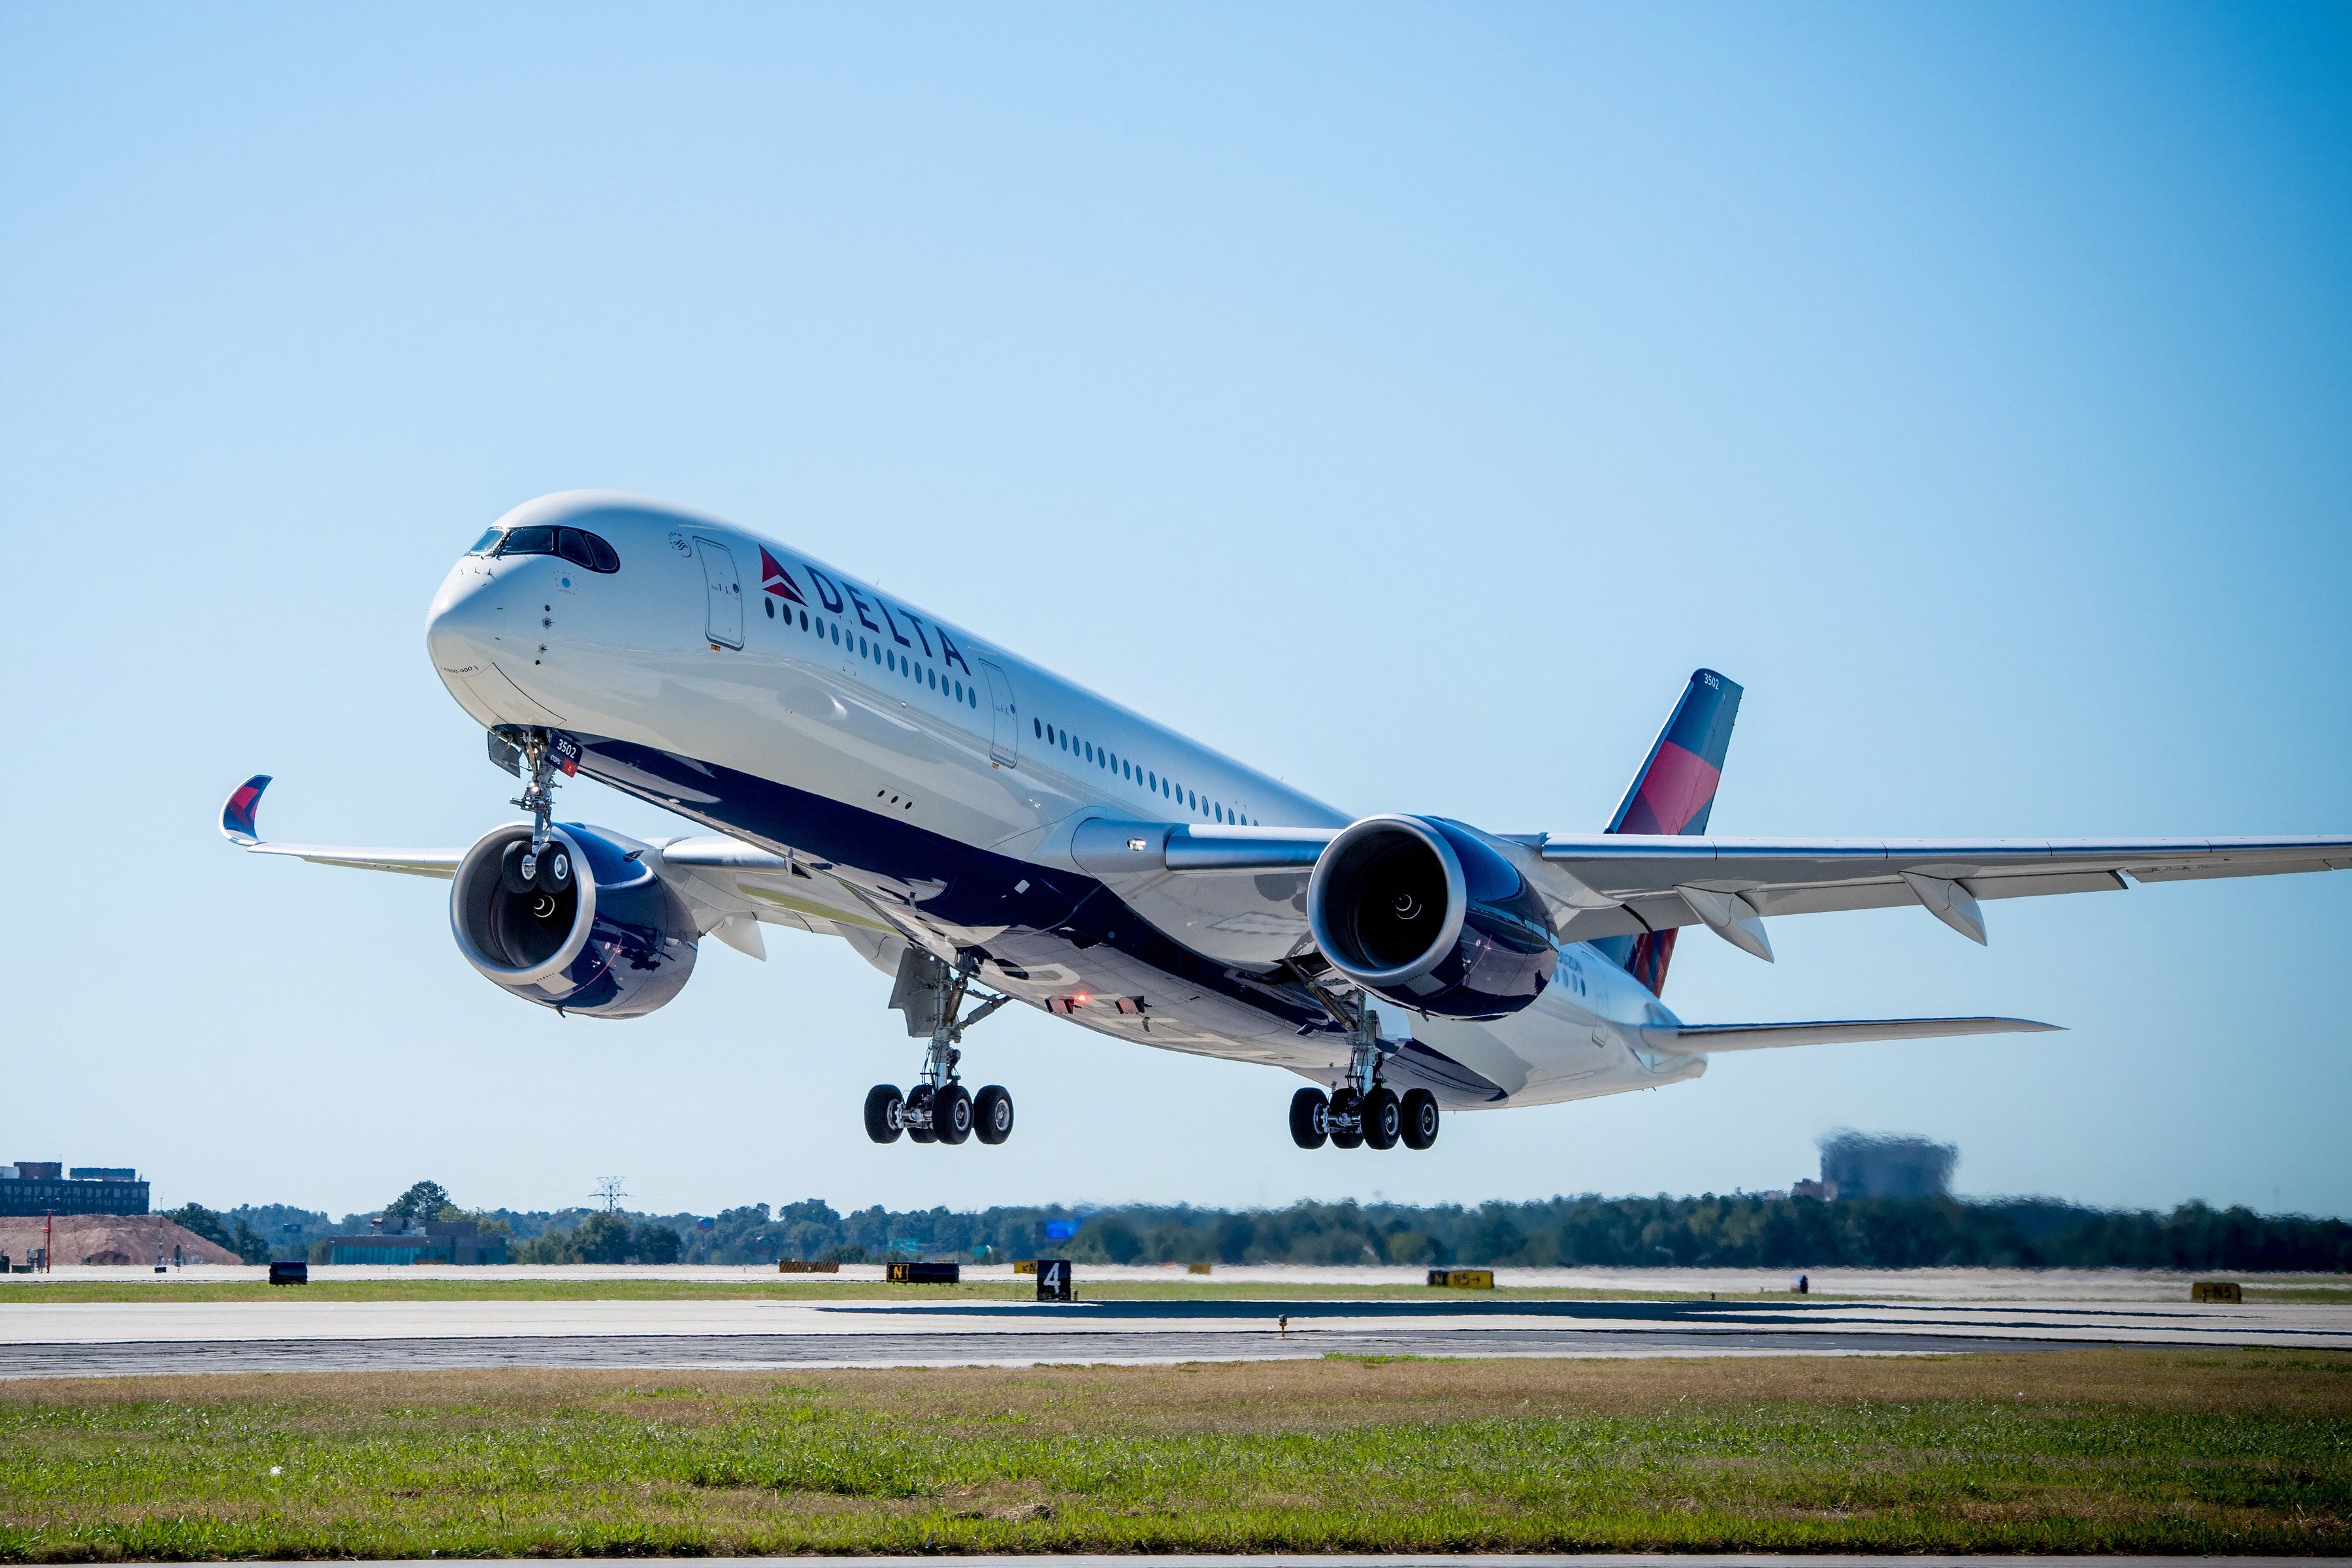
(984, 832)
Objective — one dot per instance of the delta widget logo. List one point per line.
(777, 581)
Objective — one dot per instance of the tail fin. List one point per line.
(1673, 793)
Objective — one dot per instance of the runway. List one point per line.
(148, 1338)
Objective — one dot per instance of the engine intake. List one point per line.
(1419, 911)
(593, 932)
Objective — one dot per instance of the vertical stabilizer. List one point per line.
(1673, 793)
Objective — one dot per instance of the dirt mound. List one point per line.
(134, 1239)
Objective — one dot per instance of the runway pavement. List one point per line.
(1510, 1560)
(290, 1333)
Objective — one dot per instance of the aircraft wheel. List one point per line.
(1420, 1119)
(882, 1106)
(1382, 1119)
(1310, 1119)
(1344, 1103)
(992, 1114)
(920, 1099)
(951, 1113)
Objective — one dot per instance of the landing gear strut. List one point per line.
(540, 869)
(938, 1109)
(1362, 1109)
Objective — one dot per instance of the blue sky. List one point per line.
(1404, 398)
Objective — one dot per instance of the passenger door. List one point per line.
(1004, 726)
(723, 614)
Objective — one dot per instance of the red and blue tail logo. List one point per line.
(1676, 788)
(1673, 794)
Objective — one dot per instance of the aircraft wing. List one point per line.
(1618, 884)
(1711, 1037)
(1624, 884)
(239, 826)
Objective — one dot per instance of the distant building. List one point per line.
(434, 1241)
(31, 1187)
(1881, 1165)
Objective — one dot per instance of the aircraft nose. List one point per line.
(463, 628)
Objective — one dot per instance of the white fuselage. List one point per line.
(938, 778)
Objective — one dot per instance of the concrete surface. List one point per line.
(1927, 1284)
(289, 1332)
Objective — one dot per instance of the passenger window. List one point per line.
(772, 607)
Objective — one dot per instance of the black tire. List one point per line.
(1384, 1119)
(510, 877)
(882, 1103)
(553, 874)
(1310, 1112)
(1344, 1103)
(920, 1099)
(992, 1114)
(1420, 1119)
(951, 1113)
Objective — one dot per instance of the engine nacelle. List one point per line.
(1420, 912)
(597, 932)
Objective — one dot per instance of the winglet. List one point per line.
(237, 824)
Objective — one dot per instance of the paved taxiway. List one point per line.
(292, 1334)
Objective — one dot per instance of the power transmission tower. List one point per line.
(608, 1188)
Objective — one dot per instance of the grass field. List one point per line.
(2091, 1451)
(787, 1287)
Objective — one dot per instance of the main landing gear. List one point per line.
(938, 1109)
(1348, 1118)
(1363, 1110)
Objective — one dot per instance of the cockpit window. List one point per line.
(576, 545)
(482, 545)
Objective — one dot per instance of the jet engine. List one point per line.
(1420, 911)
(590, 928)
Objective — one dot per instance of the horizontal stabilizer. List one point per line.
(1765, 1036)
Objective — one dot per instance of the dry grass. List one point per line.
(2100, 1451)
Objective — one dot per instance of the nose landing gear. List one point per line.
(938, 1109)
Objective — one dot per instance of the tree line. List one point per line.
(1739, 1231)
